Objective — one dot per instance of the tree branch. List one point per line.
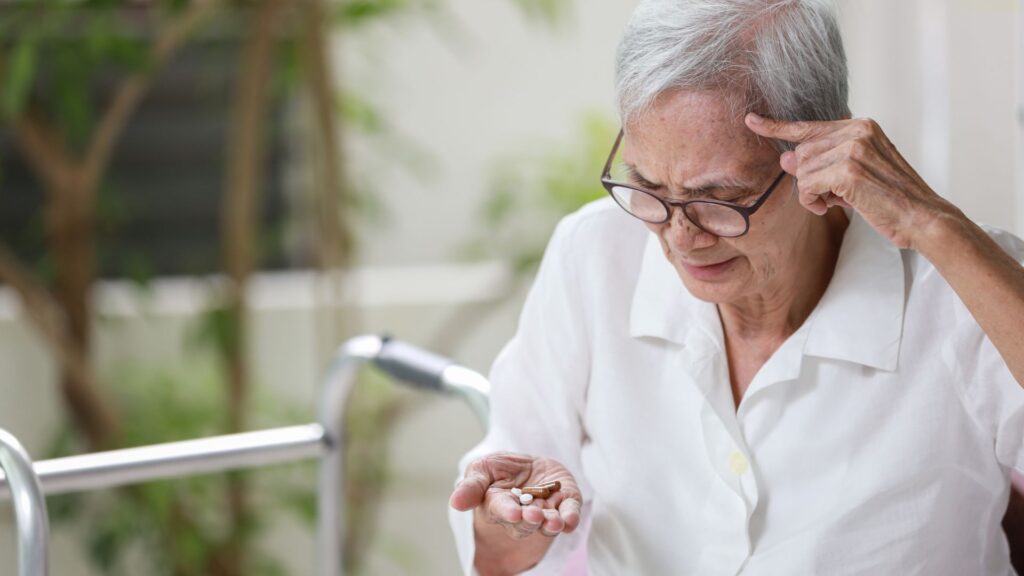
(239, 229)
(130, 91)
(336, 238)
(40, 307)
(94, 416)
(44, 150)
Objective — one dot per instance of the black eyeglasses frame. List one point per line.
(745, 211)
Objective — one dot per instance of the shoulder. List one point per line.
(923, 273)
(598, 232)
(938, 312)
(594, 257)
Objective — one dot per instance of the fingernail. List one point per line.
(754, 118)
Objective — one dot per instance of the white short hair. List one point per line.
(783, 58)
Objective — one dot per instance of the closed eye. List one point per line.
(739, 196)
(734, 196)
(637, 180)
(733, 192)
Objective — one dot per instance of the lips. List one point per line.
(708, 271)
(696, 265)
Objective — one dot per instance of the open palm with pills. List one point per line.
(493, 485)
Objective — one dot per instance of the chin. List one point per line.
(716, 292)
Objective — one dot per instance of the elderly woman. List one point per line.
(777, 352)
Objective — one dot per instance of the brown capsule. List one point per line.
(537, 492)
(553, 486)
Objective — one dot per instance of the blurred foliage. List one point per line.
(180, 523)
(20, 66)
(355, 13)
(53, 54)
(546, 11)
(531, 191)
(173, 527)
(375, 406)
(528, 194)
(389, 148)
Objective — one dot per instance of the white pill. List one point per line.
(525, 498)
(517, 492)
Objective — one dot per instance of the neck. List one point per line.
(774, 314)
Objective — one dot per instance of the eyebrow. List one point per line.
(702, 189)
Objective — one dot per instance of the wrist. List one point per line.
(939, 231)
(499, 554)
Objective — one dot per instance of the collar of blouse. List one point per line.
(859, 319)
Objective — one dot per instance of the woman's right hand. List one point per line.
(526, 530)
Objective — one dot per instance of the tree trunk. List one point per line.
(241, 234)
(71, 183)
(335, 247)
(65, 317)
(72, 242)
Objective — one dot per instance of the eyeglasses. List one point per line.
(722, 219)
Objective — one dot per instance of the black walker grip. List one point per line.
(413, 365)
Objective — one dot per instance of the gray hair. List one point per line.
(783, 58)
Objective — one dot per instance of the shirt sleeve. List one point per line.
(538, 385)
(992, 394)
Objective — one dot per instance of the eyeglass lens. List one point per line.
(713, 218)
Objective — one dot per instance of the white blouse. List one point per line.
(878, 439)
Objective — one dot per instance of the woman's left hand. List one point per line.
(852, 163)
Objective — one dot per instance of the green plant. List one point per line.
(529, 193)
(180, 524)
(51, 54)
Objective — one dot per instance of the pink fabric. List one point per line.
(577, 563)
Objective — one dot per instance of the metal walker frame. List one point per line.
(26, 484)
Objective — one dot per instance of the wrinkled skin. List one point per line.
(487, 487)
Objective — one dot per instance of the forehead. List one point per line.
(688, 136)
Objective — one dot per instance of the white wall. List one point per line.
(937, 74)
(1020, 119)
(495, 84)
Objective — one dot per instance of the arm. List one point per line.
(538, 387)
(852, 163)
(988, 280)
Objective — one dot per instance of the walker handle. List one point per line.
(412, 364)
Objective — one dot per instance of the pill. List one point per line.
(525, 499)
(517, 492)
(554, 486)
(536, 492)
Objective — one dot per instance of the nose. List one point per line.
(685, 235)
